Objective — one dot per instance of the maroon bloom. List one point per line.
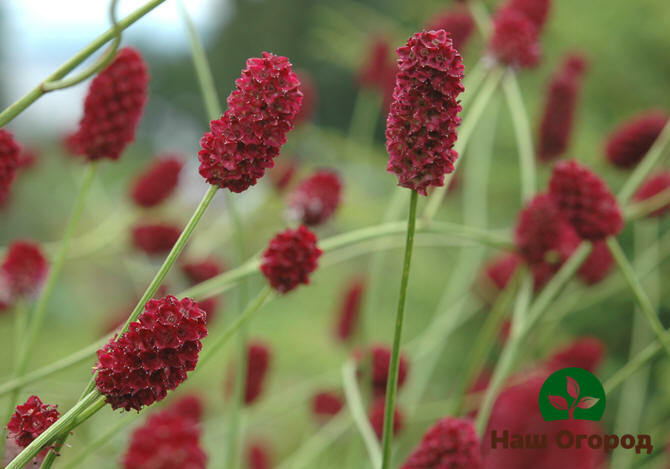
(258, 363)
(380, 356)
(450, 444)
(258, 456)
(349, 310)
(514, 41)
(586, 201)
(9, 162)
(628, 144)
(199, 271)
(282, 174)
(535, 10)
(243, 143)
(153, 356)
(113, 108)
(157, 182)
(309, 97)
(189, 406)
(585, 352)
(316, 198)
(457, 22)
(421, 125)
(376, 64)
(326, 404)
(597, 265)
(24, 268)
(499, 271)
(167, 440)
(155, 239)
(376, 416)
(654, 185)
(30, 420)
(559, 110)
(290, 258)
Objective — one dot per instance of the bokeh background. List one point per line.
(627, 45)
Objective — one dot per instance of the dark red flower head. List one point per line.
(153, 356)
(456, 22)
(167, 440)
(290, 258)
(282, 174)
(309, 97)
(450, 444)
(586, 201)
(199, 271)
(422, 121)
(653, 186)
(155, 239)
(30, 420)
(28, 158)
(376, 416)
(597, 265)
(157, 182)
(243, 143)
(316, 198)
(499, 271)
(326, 404)
(627, 145)
(189, 406)
(349, 310)
(258, 455)
(9, 162)
(113, 108)
(514, 41)
(543, 234)
(585, 352)
(535, 10)
(374, 68)
(380, 356)
(24, 268)
(258, 363)
(559, 111)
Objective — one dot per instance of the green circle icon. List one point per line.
(572, 394)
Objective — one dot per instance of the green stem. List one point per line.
(646, 307)
(481, 16)
(633, 365)
(364, 118)
(473, 80)
(645, 166)
(647, 206)
(357, 410)
(33, 95)
(392, 381)
(464, 132)
(523, 135)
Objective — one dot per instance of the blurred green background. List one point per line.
(627, 44)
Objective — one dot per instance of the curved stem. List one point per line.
(646, 207)
(33, 95)
(392, 381)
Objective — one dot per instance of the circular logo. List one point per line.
(572, 394)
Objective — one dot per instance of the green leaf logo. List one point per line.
(572, 394)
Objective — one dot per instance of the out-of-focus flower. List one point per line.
(258, 364)
(189, 406)
(9, 162)
(309, 97)
(199, 271)
(450, 444)
(655, 185)
(376, 416)
(457, 22)
(536, 11)
(155, 238)
(167, 440)
(258, 455)
(559, 110)
(326, 404)
(30, 420)
(24, 268)
(627, 145)
(113, 108)
(373, 69)
(157, 182)
(380, 356)
(498, 272)
(290, 258)
(316, 199)
(585, 352)
(28, 158)
(349, 311)
(243, 143)
(597, 265)
(586, 201)
(153, 356)
(514, 41)
(282, 174)
(421, 125)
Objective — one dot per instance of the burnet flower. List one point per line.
(514, 41)
(628, 143)
(654, 185)
(325, 404)
(30, 420)
(315, 200)
(155, 238)
(422, 121)
(349, 309)
(457, 22)
(380, 359)
(243, 143)
(9, 162)
(113, 108)
(24, 269)
(157, 182)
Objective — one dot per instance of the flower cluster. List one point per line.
(258, 455)
(536, 11)
(23, 269)
(514, 41)
(585, 352)
(376, 417)
(451, 443)
(9, 162)
(349, 310)
(377, 70)
(597, 265)
(290, 258)
(113, 108)
(153, 356)
(243, 143)
(421, 125)
(380, 356)
(628, 144)
(30, 420)
(458, 23)
(326, 404)
(258, 363)
(157, 182)
(156, 238)
(315, 199)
